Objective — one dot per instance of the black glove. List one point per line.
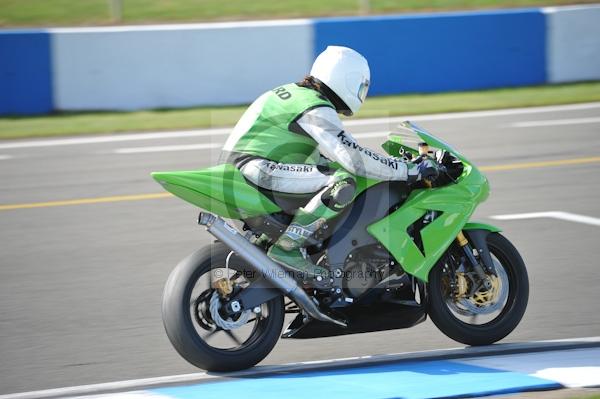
(423, 169)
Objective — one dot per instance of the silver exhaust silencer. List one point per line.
(261, 263)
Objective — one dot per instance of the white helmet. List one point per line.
(345, 72)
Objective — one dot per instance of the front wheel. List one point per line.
(196, 324)
(468, 312)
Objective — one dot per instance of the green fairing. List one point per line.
(482, 226)
(221, 190)
(394, 145)
(457, 202)
(362, 183)
(224, 191)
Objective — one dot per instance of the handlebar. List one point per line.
(443, 169)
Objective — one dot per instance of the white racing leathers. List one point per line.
(325, 127)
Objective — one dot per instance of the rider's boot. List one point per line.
(288, 250)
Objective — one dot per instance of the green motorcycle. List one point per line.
(396, 255)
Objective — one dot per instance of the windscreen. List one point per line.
(411, 135)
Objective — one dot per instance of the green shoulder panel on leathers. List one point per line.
(270, 134)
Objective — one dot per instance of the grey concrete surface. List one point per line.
(80, 286)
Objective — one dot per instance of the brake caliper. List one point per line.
(223, 286)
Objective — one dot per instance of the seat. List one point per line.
(288, 203)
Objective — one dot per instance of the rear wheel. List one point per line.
(196, 324)
(468, 312)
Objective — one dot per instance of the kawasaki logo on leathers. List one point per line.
(290, 168)
(354, 145)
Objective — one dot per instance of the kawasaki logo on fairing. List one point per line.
(354, 145)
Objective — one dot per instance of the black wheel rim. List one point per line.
(217, 338)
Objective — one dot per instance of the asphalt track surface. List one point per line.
(81, 283)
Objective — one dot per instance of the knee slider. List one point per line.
(340, 194)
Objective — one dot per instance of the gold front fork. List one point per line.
(424, 152)
(464, 243)
(461, 239)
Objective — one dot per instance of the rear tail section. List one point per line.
(221, 190)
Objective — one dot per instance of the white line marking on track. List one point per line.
(5, 157)
(571, 217)
(166, 148)
(556, 122)
(108, 386)
(125, 395)
(574, 368)
(473, 114)
(208, 146)
(114, 138)
(350, 123)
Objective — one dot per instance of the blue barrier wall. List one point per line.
(171, 66)
(25, 73)
(444, 52)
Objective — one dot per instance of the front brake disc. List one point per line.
(484, 300)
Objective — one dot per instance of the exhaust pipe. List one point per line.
(261, 263)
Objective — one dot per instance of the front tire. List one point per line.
(451, 324)
(186, 318)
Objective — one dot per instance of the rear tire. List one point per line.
(179, 321)
(511, 313)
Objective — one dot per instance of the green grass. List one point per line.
(96, 12)
(194, 118)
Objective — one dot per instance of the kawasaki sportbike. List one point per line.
(398, 254)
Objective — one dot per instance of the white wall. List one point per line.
(573, 43)
(127, 68)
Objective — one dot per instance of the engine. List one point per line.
(365, 268)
